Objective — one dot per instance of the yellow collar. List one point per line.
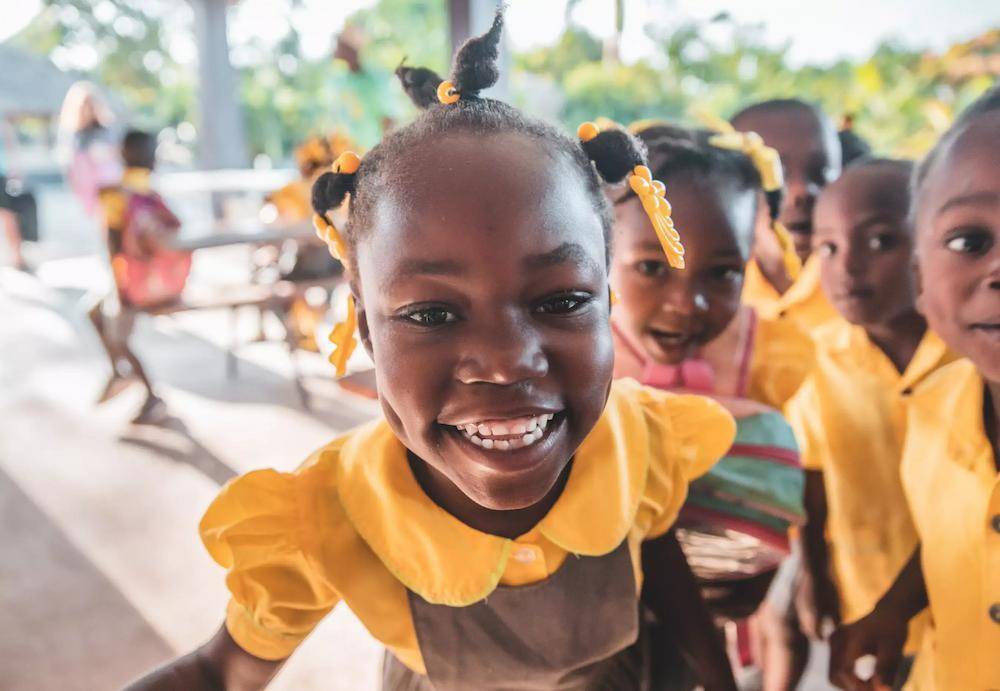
(445, 561)
(137, 180)
(851, 342)
(953, 397)
(759, 291)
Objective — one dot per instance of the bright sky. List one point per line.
(822, 33)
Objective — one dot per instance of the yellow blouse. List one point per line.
(953, 490)
(782, 359)
(849, 419)
(352, 524)
(804, 303)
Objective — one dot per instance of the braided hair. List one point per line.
(609, 157)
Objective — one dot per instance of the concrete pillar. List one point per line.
(221, 139)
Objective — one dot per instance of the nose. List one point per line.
(853, 261)
(505, 351)
(800, 193)
(687, 298)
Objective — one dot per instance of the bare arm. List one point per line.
(881, 633)
(817, 599)
(218, 665)
(671, 591)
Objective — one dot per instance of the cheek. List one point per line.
(723, 304)
(944, 294)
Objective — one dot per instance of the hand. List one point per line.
(816, 603)
(881, 634)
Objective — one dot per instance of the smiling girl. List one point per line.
(505, 521)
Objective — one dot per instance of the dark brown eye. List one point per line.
(651, 268)
(431, 316)
(564, 304)
(970, 241)
(826, 249)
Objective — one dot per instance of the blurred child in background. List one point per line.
(849, 416)
(951, 457)
(148, 273)
(807, 143)
(689, 331)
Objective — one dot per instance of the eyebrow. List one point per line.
(426, 267)
(651, 246)
(973, 199)
(566, 252)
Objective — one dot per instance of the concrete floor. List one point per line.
(103, 575)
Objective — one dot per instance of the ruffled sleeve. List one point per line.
(255, 530)
(694, 432)
(782, 359)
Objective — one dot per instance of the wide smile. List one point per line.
(670, 339)
(507, 435)
(990, 330)
(509, 444)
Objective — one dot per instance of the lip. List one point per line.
(990, 329)
(478, 416)
(856, 294)
(800, 226)
(510, 461)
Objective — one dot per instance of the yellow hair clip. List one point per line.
(768, 164)
(329, 234)
(447, 93)
(652, 194)
(790, 258)
(343, 340)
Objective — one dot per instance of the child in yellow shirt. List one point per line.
(689, 331)
(807, 143)
(477, 245)
(951, 458)
(849, 416)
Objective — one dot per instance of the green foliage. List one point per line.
(901, 98)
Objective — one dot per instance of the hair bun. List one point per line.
(330, 190)
(420, 84)
(615, 153)
(476, 61)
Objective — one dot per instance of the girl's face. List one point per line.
(958, 245)
(865, 246)
(669, 312)
(810, 155)
(484, 304)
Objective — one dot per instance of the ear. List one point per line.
(363, 333)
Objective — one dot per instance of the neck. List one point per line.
(991, 418)
(899, 337)
(773, 270)
(510, 523)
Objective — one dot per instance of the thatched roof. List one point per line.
(30, 84)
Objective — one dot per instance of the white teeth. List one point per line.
(499, 430)
(471, 429)
(476, 440)
(519, 429)
(532, 424)
(487, 443)
(503, 445)
(529, 432)
(484, 430)
(543, 423)
(528, 438)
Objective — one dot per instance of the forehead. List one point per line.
(968, 165)
(865, 191)
(794, 131)
(494, 197)
(709, 216)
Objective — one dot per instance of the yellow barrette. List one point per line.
(768, 164)
(652, 194)
(447, 93)
(342, 336)
(343, 340)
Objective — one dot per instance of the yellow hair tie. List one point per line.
(765, 159)
(447, 93)
(790, 258)
(652, 194)
(347, 163)
(329, 234)
(343, 340)
(587, 131)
